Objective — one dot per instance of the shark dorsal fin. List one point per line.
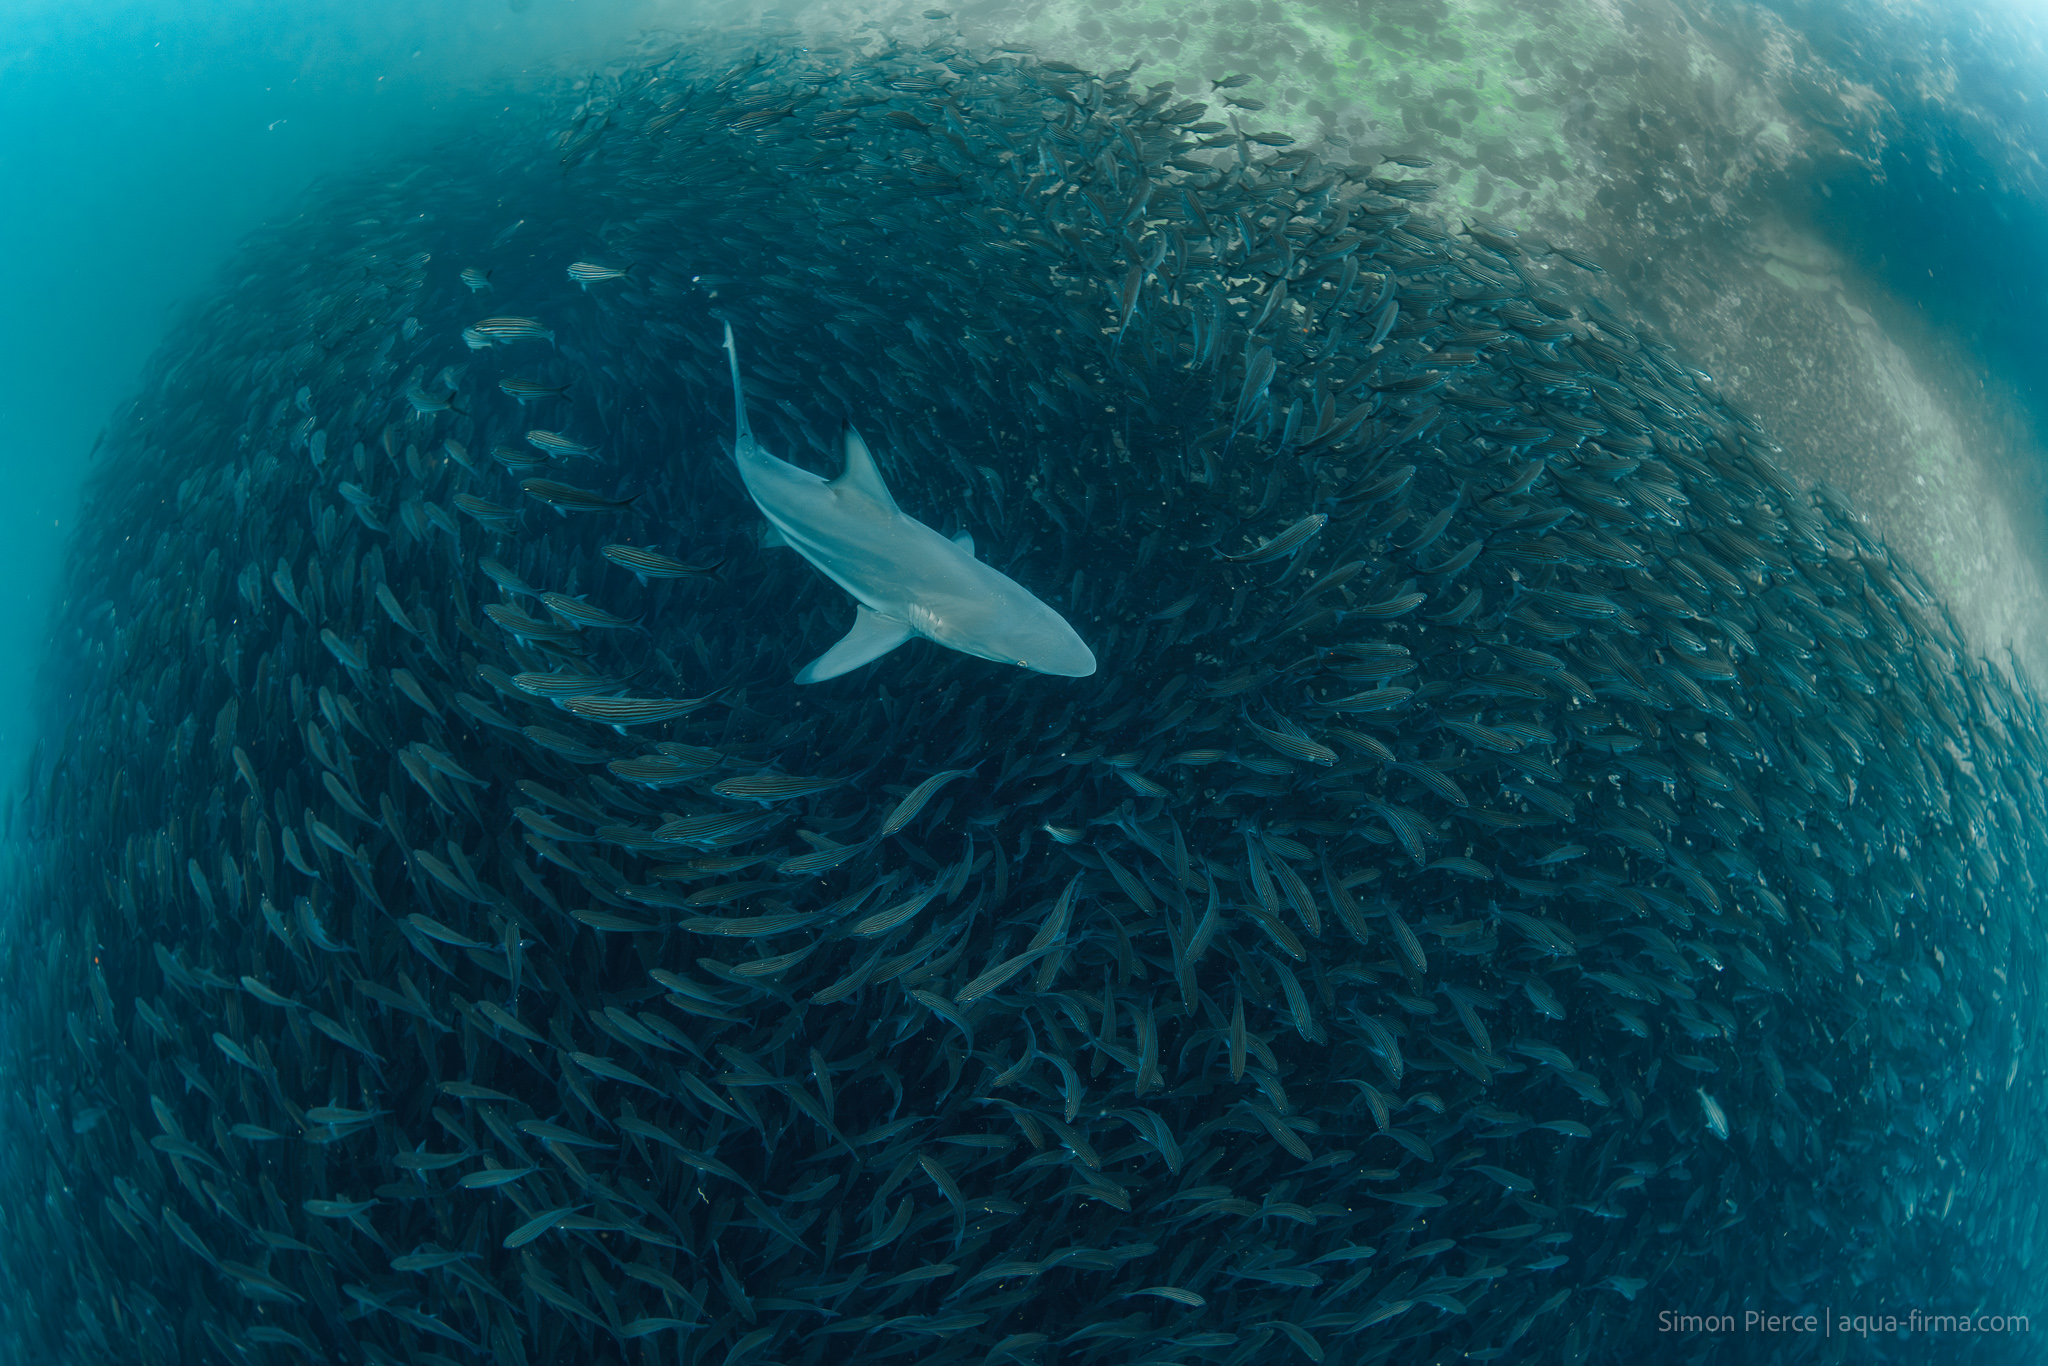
(965, 540)
(862, 475)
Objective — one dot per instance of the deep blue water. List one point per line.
(1940, 194)
(143, 140)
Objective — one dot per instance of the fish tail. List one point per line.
(739, 398)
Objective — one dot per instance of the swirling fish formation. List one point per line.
(1523, 862)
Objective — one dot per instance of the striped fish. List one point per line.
(646, 564)
(489, 514)
(444, 764)
(568, 746)
(437, 516)
(1387, 607)
(494, 330)
(1286, 543)
(505, 578)
(477, 280)
(574, 612)
(655, 771)
(554, 443)
(1486, 737)
(348, 652)
(560, 685)
(712, 829)
(819, 861)
(388, 600)
(588, 273)
(528, 390)
(434, 929)
(1292, 743)
(536, 1226)
(281, 580)
(772, 787)
(1171, 1292)
(1375, 699)
(1436, 781)
(518, 463)
(566, 498)
(424, 402)
(604, 1067)
(523, 627)
(403, 680)
(620, 712)
(237, 1054)
(554, 830)
(907, 809)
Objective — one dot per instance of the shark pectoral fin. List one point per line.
(872, 637)
(771, 538)
(861, 474)
(965, 540)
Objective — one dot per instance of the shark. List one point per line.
(907, 580)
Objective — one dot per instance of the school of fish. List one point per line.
(1519, 861)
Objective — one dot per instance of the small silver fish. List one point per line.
(560, 685)
(566, 498)
(529, 390)
(424, 402)
(491, 515)
(1286, 543)
(620, 712)
(491, 331)
(646, 564)
(580, 613)
(523, 627)
(587, 273)
(554, 443)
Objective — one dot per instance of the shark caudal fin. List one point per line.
(742, 434)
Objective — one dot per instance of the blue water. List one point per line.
(1940, 192)
(142, 141)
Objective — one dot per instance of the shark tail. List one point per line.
(743, 433)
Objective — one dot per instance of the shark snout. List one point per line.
(1044, 643)
(1069, 658)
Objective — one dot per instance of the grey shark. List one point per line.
(908, 580)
